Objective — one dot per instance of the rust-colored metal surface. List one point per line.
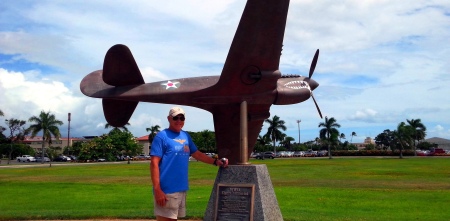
(250, 74)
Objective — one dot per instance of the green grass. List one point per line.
(306, 189)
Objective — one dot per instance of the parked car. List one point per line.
(73, 158)
(25, 158)
(124, 157)
(437, 152)
(270, 155)
(322, 153)
(101, 160)
(310, 153)
(281, 154)
(423, 152)
(298, 153)
(143, 157)
(61, 158)
(39, 159)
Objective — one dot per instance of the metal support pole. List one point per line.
(68, 134)
(244, 135)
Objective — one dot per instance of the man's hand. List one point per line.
(160, 197)
(222, 162)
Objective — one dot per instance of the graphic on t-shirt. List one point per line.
(186, 148)
(179, 141)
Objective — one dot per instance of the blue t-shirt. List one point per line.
(174, 150)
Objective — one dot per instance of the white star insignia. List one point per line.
(170, 84)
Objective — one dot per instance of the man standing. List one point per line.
(170, 153)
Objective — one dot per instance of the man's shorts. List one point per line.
(175, 206)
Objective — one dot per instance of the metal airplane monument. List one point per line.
(250, 74)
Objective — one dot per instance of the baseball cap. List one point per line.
(174, 111)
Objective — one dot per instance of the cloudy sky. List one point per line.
(381, 62)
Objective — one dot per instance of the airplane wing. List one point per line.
(227, 128)
(256, 46)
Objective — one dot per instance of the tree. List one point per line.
(287, 142)
(17, 133)
(48, 124)
(419, 132)
(403, 136)
(107, 125)
(208, 140)
(342, 136)
(353, 134)
(2, 137)
(275, 124)
(384, 139)
(205, 140)
(261, 143)
(108, 146)
(329, 132)
(153, 131)
(122, 142)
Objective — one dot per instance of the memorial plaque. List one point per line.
(234, 202)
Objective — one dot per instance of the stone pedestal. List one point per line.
(264, 202)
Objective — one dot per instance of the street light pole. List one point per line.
(68, 134)
(298, 123)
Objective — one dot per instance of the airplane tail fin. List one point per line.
(120, 69)
(118, 112)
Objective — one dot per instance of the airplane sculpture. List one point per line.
(250, 74)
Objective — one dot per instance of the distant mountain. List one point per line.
(443, 143)
(438, 140)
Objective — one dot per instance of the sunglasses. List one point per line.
(178, 117)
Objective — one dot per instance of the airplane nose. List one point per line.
(312, 84)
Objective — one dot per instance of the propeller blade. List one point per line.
(313, 63)
(317, 106)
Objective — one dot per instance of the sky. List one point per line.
(381, 61)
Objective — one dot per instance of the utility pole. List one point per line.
(68, 134)
(298, 123)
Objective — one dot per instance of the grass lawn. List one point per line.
(306, 189)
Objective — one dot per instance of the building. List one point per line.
(362, 146)
(36, 142)
(145, 143)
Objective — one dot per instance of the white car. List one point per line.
(26, 158)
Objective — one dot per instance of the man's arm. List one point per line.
(207, 159)
(160, 196)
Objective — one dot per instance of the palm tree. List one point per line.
(329, 132)
(153, 131)
(342, 136)
(261, 143)
(275, 124)
(48, 124)
(420, 131)
(263, 140)
(403, 136)
(287, 142)
(353, 134)
(107, 125)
